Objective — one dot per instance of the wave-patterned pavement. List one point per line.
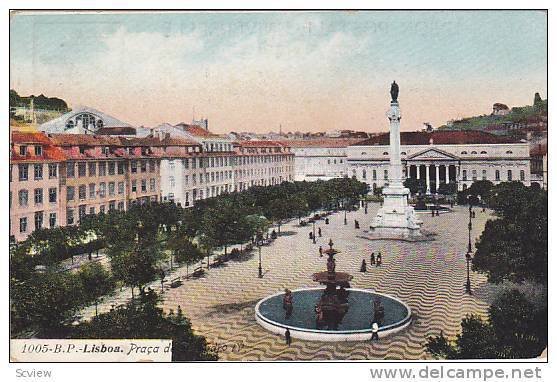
(428, 276)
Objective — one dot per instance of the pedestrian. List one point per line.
(320, 251)
(432, 212)
(319, 231)
(372, 259)
(437, 212)
(363, 268)
(288, 338)
(311, 235)
(374, 332)
(379, 259)
(326, 220)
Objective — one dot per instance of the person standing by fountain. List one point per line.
(287, 337)
(379, 259)
(374, 332)
(287, 303)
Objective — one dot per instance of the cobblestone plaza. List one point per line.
(428, 276)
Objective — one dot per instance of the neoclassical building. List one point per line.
(442, 157)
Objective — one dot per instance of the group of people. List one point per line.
(319, 233)
(373, 260)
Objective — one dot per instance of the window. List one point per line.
(92, 194)
(464, 187)
(69, 125)
(23, 172)
(474, 175)
(102, 189)
(120, 188)
(483, 152)
(171, 164)
(143, 166)
(186, 163)
(92, 169)
(100, 123)
(23, 150)
(120, 168)
(364, 174)
(386, 174)
(111, 189)
(374, 174)
(152, 166)
(464, 152)
(464, 175)
(70, 169)
(172, 181)
(474, 152)
(111, 205)
(81, 169)
(52, 195)
(38, 220)
(509, 152)
(52, 170)
(120, 206)
(522, 175)
(102, 168)
(484, 174)
(134, 185)
(111, 168)
(497, 175)
(403, 153)
(91, 210)
(385, 153)
(152, 184)
(510, 175)
(82, 211)
(101, 209)
(38, 196)
(133, 167)
(22, 225)
(143, 185)
(38, 171)
(70, 191)
(82, 192)
(52, 220)
(23, 196)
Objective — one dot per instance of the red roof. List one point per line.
(260, 143)
(154, 141)
(540, 149)
(49, 152)
(196, 131)
(439, 137)
(84, 140)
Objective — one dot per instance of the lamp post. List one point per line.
(260, 268)
(313, 222)
(469, 252)
(345, 221)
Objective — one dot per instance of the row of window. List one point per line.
(462, 152)
(23, 170)
(497, 175)
(23, 196)
(373, 174)
(334, 161)
(24, 150)
(101, 192)
(82, 211)
(39, 218)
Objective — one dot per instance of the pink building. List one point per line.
(35, 197)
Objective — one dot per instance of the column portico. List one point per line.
(427, 180)
(436, 177)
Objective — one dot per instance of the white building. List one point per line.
(442, 157)
(322, 158)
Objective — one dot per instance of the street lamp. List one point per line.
(469, 252)
(313, 222)
(345, 221)
(260, 268)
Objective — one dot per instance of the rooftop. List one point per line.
(446, 137)
(321, 142)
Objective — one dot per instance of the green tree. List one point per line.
(144, 319)
(415, 185)
(96, 282)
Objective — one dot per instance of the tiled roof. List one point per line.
(50, 152)
(260, 143)
(154, 141)
(196, 131)
(537, 150)
(321, 142)
(123, 130)
(438, 137)
(84, 140)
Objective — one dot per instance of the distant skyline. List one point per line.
(309, 71)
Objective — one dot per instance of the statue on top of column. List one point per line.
(394, 92)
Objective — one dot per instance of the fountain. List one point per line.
(336, 312)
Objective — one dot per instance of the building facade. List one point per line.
(462, 157)
(35, 195)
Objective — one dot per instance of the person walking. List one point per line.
(374, 332)
(372, 259)
(320, 251)
(363, 268)
(379, 259)
(288, 338)
(319, 231)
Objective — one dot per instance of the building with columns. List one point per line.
(442, 157)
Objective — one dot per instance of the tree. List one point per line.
(45, 302)
(184, 250)
(142, 318)
(514, 247)
(277, 211)
(516, 328)
(447, 188)
(95, 281)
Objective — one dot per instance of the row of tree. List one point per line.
(512, 248)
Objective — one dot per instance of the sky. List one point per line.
(304, 71)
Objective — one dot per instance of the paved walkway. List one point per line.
(428, 276)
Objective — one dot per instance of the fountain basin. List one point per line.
(355, 325)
